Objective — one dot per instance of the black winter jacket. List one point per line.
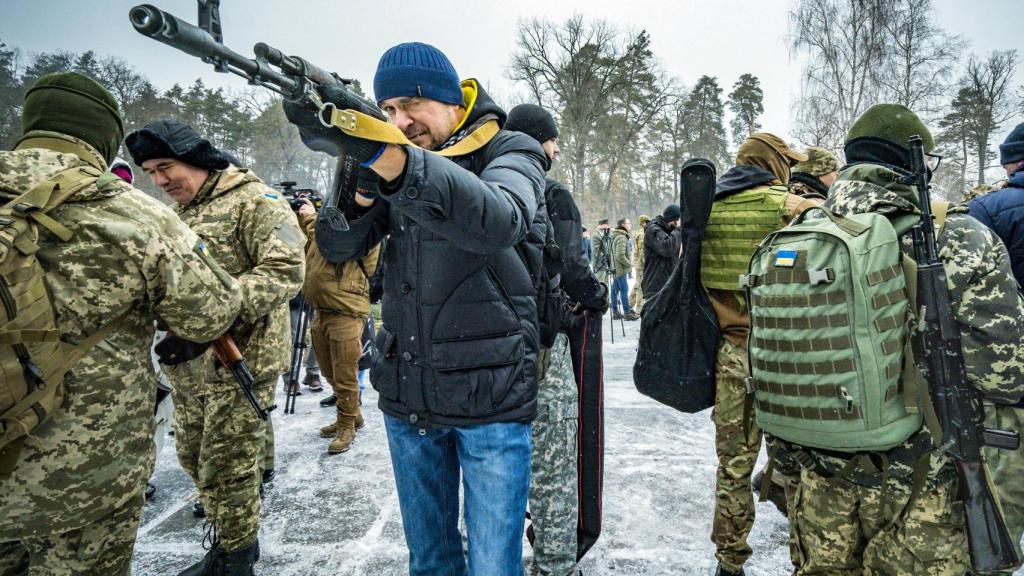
(459, 340)
(576, 277)
(1003, 212)
(661, 250)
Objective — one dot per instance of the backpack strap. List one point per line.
(49, 194)
(71, 357)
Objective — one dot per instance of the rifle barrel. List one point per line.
(153, 22)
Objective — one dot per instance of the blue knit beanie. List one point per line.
(416, 69)
(1012, 149)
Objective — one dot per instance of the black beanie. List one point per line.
(78, 106)
(1012, 149)
(533, 121)
(172, 139)
(671, 212)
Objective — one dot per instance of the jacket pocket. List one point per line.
(218, 233)
(477, 377)
(384, 373)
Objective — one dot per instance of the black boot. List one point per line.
(329, 401)
(198, 510)
(239, 562)
(150, 490)
(268, 476)
(217, 562)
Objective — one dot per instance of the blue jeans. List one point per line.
(620, 291)
(495, 464)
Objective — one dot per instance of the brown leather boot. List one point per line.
(345, 435)
(359, 420)
(329, 431)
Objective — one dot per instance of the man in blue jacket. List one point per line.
(1003, 210)
(457, 371)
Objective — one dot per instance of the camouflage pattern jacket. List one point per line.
(987, 306)
(252, 232)
(128, 254)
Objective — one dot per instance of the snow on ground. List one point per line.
(338, 515)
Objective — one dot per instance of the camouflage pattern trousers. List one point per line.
(636, 295)
(844, 528)
(103, 547)
(1007, 468)
(553, 478)
(221, 444)
(737, 445)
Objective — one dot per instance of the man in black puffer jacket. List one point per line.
(457, 367)
(662, 241)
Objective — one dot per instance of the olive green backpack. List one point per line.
(830, 360)
(33, 360)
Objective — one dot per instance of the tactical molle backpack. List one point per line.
(33, 360)
(830, 360)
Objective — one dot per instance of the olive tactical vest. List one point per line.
(738, 224)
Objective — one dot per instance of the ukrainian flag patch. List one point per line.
(785, 258)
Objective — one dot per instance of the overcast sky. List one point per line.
(723, 38)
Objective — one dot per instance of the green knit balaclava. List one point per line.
(78, 106)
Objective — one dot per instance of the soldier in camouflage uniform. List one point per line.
(812, 177)
(636, 297)
(73, 501)
(809, 179)
(861, 514)
(253, 233)
(758, 204)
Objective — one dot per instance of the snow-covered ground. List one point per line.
(338, 515)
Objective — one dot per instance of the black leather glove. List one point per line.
(173, 350)
(315, 135)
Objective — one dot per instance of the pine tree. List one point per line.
(746, 102)
(704, 121)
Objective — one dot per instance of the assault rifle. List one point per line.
(229, 355)
(291, 388)
(958, 407)
(290, 76)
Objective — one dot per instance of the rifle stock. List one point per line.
(939, 352)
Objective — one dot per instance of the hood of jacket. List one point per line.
(621, 232)
(862, 188)
(41, 155)
(480, 109)
(221, 182)
(740, 178)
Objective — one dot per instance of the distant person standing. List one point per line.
(636, 294)
(661, 243)
(621, 266)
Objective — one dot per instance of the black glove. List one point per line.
(599, 303)
(173, 350)
(304, 114)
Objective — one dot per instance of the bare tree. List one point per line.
(988, 82)
(919, 57)
(845, 42)
(573, 70)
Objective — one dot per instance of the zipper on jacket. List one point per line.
(501, 291)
